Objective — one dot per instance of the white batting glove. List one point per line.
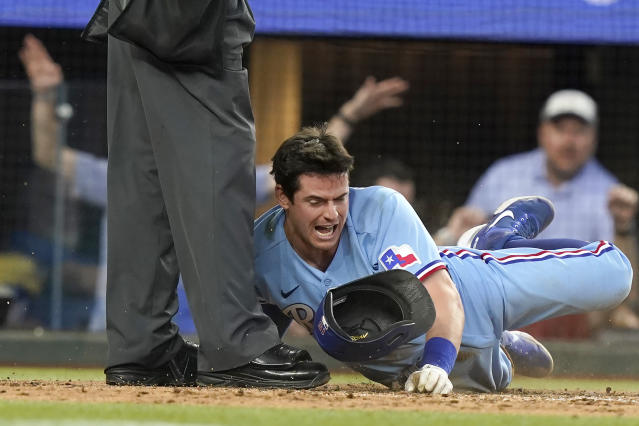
(429, 379)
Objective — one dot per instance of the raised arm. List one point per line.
(44, 77)
(372, 96)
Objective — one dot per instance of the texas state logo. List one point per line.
(401, 257)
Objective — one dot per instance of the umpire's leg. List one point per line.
(142, 266)
(202, 134)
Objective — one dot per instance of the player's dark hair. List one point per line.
(312, 151)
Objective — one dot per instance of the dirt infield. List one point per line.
(351, 396)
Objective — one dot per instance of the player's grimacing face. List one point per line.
(316, 217)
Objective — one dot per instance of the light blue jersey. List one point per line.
(385, 233)
(500, 290)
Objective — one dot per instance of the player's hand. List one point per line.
(374, 96)
(462, 219)
(42, 71)
(429, 379)
(622, 203)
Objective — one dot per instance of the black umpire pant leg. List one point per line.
(181, 191)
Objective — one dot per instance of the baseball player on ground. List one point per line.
(324, 234)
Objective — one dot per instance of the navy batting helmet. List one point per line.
(368, 318)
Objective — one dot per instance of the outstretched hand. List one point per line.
(429, 379)
(374, 96)
(462, 219)
(42, 71)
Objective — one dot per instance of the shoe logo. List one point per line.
(285, 294)
(503, 214)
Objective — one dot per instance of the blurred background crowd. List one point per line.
(457, 107)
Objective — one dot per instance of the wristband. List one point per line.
(439, 352)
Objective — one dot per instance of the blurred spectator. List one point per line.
(590, 203)
(78, 268)
(393, 173)
(84, 173)
(389, 172)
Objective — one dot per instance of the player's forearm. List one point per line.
(45, 133)
(449, 322)
(339, 128)
(44, 129)
(442, 340)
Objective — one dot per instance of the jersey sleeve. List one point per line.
(402, 241)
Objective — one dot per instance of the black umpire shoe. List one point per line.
(180, 371)
(282, 366)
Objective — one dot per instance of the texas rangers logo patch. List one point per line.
(399, 257)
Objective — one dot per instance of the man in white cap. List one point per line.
(591, 204)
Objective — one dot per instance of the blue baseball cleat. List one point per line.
(528, 357)
(517, 218)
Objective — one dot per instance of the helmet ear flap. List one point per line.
(370, 317)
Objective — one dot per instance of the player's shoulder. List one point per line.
(268, 229)
(376, 197)
(368, 204)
